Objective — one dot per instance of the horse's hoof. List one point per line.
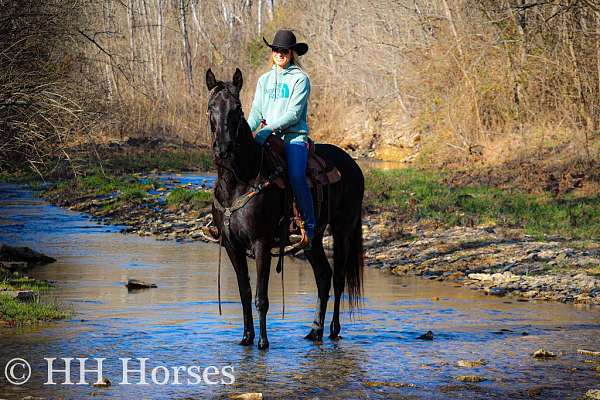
(246, 341)
(263, 344)
(314, 335)
(335, 337)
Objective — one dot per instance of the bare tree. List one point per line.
(380, 69)
(161, 29)
(187, 52)
(259, 17)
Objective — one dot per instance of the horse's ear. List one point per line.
(211, 81)
(238, 80)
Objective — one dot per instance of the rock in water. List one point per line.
(247, 396)
(588, 352)
(24, 295)
(471, 364)
(593, 394)
(535, 391)
(134, 284)
(542, 353)
(426, 336)
(390, 384)
(31, 257)
(470, 378)
(104, 382)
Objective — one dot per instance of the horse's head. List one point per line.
(225, 114)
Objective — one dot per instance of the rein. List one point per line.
(219, 274)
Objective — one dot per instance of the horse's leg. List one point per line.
(339, 279)
(240, 264)
(322, 270)
(263, 269)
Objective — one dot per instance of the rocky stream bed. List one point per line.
(496, 260)
(476, 346)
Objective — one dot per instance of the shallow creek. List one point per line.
(178, 324)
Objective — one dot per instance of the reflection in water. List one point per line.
(368, 164)
(178, 324)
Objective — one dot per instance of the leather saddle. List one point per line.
(319, 171)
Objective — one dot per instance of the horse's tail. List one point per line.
(346, 225)
(355, 266)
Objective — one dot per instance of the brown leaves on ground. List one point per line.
(535, 175)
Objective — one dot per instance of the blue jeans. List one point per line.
(296, 153)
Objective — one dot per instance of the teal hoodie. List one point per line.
(281, 99)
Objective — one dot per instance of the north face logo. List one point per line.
(283, 91)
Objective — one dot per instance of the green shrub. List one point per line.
(197, 199)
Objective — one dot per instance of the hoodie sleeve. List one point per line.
(298, 102)
(256, 112)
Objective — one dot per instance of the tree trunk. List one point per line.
(107, 67)
(160, 39)
(519, 89)
(596, 112)
(149, 48)
(131, 26)
(259, 17)
(187, 52)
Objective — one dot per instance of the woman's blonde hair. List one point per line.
(295, 60)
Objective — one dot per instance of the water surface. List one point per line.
(178, 324)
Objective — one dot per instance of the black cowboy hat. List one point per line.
(287, 40)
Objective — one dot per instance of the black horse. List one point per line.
(247, 212)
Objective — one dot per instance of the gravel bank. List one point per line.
(495, 260)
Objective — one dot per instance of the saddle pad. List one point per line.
(320, 171)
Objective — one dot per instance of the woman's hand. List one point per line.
(263, 123)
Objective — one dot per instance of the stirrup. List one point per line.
(304, 241)
(301, 242)
(210, 233)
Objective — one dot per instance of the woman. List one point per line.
(280, 107)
